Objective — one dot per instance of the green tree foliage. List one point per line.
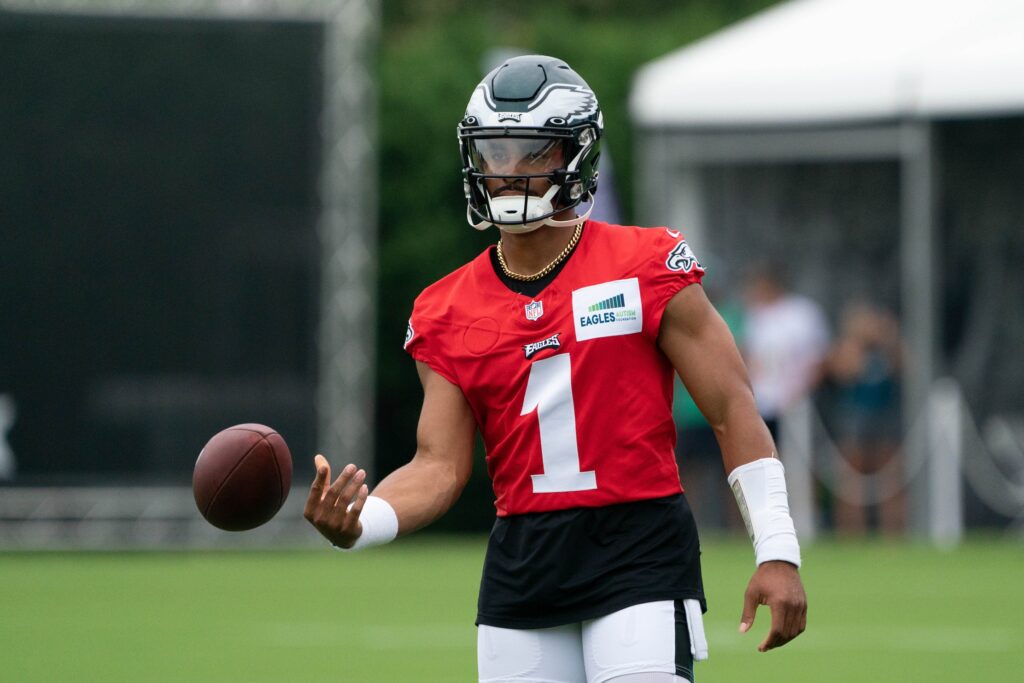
(432, 54)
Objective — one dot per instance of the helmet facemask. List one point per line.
(512, 198)
(519, 180)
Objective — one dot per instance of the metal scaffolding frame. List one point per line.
(347, 224)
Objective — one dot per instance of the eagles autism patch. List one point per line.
(608, 309)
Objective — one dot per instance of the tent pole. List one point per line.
(920, 299)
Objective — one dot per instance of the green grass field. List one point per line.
(878, 612)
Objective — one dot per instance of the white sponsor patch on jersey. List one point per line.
(609, 309)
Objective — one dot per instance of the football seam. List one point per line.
(238, 464)
(277, 468)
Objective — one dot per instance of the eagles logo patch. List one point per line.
(681, 258)
(550, 343)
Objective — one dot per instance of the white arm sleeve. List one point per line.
(380, 524)
(760, 490)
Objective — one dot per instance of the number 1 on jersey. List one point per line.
(549, 392)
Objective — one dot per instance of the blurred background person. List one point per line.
(863, 369)
(786, 339)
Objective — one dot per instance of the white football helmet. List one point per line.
(530, 143)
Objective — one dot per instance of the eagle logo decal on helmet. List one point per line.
(578, 102)
(570, 103)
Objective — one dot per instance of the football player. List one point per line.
(558, 345)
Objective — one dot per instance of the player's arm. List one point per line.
(702, 350)
(415, 494)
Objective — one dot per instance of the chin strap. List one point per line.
(483, 224)
(572, 221)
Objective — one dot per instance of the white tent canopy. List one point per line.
(832, 61)
(838, 82)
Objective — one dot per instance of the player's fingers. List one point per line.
(347, 495)
(360, 501)
(777, 633)
(797, 620)
(750, 601)
(334, 492)
(794, 606)
(789, 619)
(316, 490)
(323, 473)
(771, 640)
(351, 524)
(352, 489)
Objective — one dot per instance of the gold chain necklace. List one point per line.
(546, 269)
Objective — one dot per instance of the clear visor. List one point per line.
(517, 156)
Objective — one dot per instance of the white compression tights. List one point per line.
(633, 645)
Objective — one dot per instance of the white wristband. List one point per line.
(760, 490)
(380, 524)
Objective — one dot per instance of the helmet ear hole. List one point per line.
(557, 121)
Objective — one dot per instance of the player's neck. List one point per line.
(529, 252)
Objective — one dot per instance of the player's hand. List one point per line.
(776, 584)
(327, 507)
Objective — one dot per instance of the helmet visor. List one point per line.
(508, 156)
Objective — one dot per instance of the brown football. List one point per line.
(242, 477)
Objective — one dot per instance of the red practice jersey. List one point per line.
(569, 389)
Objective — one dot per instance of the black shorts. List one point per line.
(553, 568)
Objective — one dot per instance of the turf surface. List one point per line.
(878, 612)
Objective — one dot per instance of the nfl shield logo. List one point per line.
(534, 310)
